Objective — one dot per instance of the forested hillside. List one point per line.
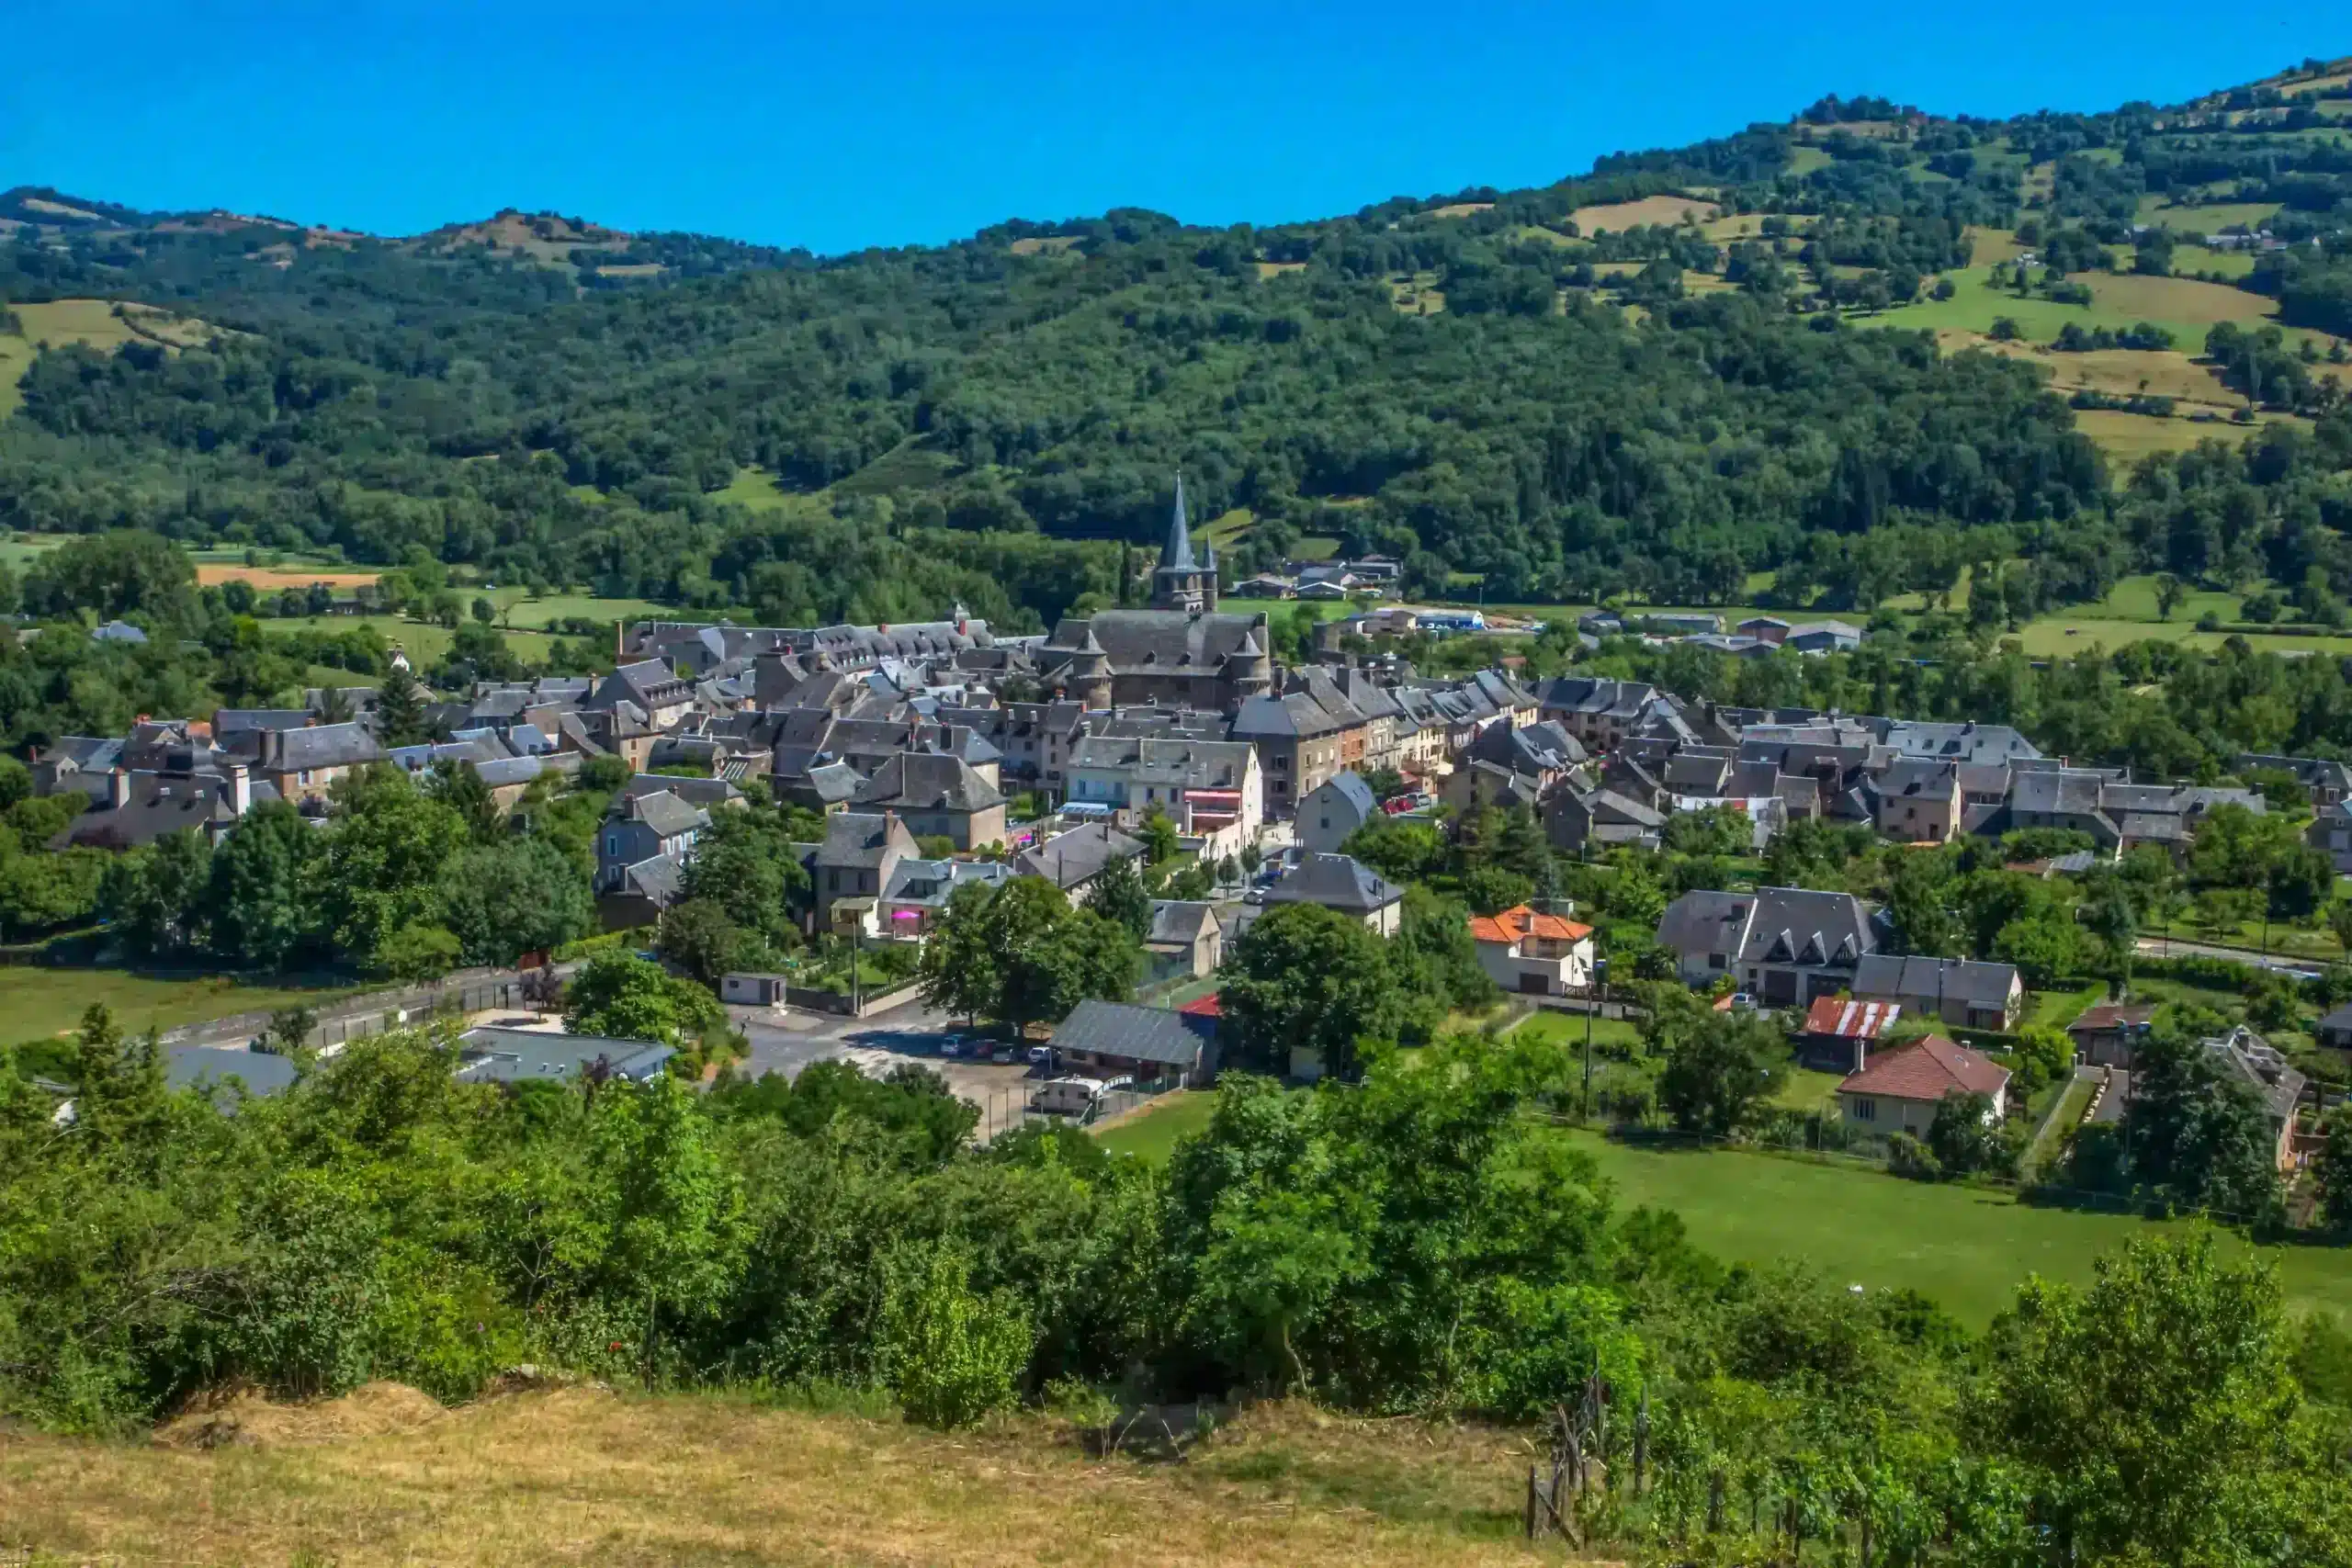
(1822, 350)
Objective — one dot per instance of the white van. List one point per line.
(1066, 1097)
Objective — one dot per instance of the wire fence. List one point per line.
(358, 1018)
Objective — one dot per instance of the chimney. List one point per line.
(117, 786)
(241, 789)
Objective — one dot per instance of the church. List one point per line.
(1180, 652)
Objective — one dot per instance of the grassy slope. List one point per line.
(584, 1477)
(1151, 1134)
(37, 1002)
(1966, 1249)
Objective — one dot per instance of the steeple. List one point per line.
(1177, 554)
(1180, 582)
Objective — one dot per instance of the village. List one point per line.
(1164, 751)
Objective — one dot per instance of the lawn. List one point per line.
(1151, 1133)
(42, 1001)
(1568, 1030)
(2185, 306)
(1965, 1247)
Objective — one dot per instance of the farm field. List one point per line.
(40, 1001)
(1965, 1247)
(2183, 306)
(1619, 216)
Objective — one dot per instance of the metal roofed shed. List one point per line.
(491, 1054)
(1152, 1043)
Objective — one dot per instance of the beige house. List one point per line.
(1184, 939)
(1900, 1090)
(1918, 801)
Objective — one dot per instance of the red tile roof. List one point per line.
(1850, 1019)
(1523, 921)
(1929, 1070)
(2109, 1015)
(1204, 1007)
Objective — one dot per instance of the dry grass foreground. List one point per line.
(577, 1475)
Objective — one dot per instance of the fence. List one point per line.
(358, 1017)
(1007, 1110)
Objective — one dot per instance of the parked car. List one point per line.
(952, 1045)
(1066, 1097)
(1041, 1056)
(1255, 895)
(1005, 1053)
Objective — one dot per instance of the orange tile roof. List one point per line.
(1930, 1070)
(1523, 921)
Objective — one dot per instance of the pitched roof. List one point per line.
(1178, 921)
(1848, 1019)
(491, 1055)
(1350, 786)
(927, 781)
(862, 839)
(1068, 860)
(1521, 920)
(1930, 1070)
(1137, 1034)
(1336, 881)
(324, 746)
(1966, 979)
(2113, 1015)
(666, 815)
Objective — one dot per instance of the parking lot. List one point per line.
(787, 1043)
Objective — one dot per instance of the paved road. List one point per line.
(2159, 947)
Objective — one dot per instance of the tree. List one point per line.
(1118, 896)
(2170, 591)
(2332, 1170)
(263, 912)
(119, 1098)
(1726, 1066)
(698, 936)
(745, 864)
(419, 950)
(1160, 838)
(627, 997)
(1306, 981)
(1020, 953)
(399, 710)
(388, 845)
(459, 787)
(2196, 1133)
(1967, 1136)
(2152, 1416)
(155, 894)
(514, 897)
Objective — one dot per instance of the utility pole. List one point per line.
(1601, 980)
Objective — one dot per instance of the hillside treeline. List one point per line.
(1418, 1244)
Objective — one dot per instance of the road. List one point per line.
(2160, 947)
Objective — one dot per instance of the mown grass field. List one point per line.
(91, 321)
(38, 1002)
(1151, 1133)
(381, 1478)
(1967, 1248)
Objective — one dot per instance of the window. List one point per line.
(1866, 1111)
(1325, 821)
(833, 880)
(612, 843)
(1716, 961)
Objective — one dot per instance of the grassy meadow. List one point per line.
(1966, 1248)
(38, 1002)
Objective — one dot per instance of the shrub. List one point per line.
(950, 1354)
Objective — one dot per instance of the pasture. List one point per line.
(40, 1002)
(96, 323)
(1968, 1248)
(1618, 216)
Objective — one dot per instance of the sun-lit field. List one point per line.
(1619, 216)
(384, 1477)
(96, 323)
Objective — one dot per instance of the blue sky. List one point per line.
(841, 124)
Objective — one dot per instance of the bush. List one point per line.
(1906, 1156)
(951, 1356)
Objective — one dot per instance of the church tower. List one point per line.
(1181, 582)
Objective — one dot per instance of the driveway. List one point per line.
(2159, 947)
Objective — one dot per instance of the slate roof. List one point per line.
(858, 839)
(665, 814)
(1130, 1034)
(1177, 921)
(660, 878)
(704, 793)
(933, 882)
(1965, 742)
(1336, 881)
(1922, 978)
(1930, 1070)
(928, 780)
(1772, 925)
(1068, 860)
(1159, 642)
(324, 746)
(1349, 785)
(1292, 715)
